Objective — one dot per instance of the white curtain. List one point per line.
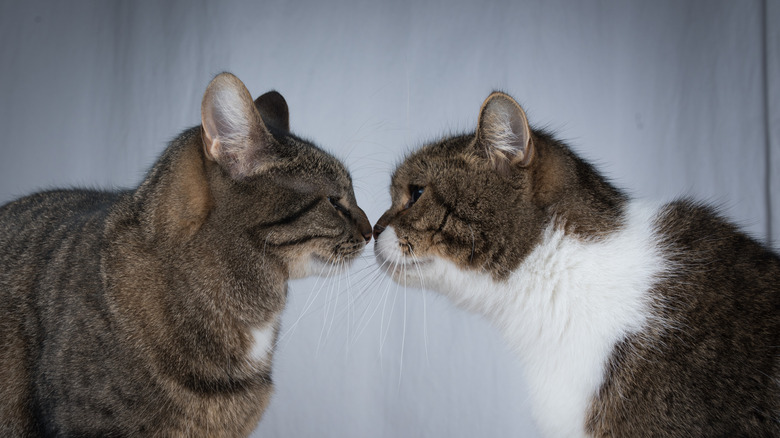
(668, 98)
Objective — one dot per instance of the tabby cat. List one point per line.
(154, 311)
(630, 319)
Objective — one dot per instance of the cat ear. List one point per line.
(233, 132)
(503, 132)
(273, 109)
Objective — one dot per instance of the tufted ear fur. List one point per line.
(234, 134)
(503, 133)
(273, 109)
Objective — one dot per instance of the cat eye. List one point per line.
(337, 205)
(414, 194)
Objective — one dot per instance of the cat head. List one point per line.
(479, 203)
(467, 200)
(257, 192)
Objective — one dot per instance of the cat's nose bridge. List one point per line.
(361, 220)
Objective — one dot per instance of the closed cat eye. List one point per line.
(337, 205)
(414, 194)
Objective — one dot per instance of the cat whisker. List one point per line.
(378, 274)
(337, 266)
(265, 245)
(403, 334)
(425, 310)
(392, 309)
(333, 298)
(362, 321)
(365, 321)
(375, 275)
(335, 305)
(328, 301)
(350, 311)
(309, 302)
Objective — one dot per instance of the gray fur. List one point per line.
(129, 313)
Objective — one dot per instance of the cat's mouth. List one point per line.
(333, 260)
(395, 262)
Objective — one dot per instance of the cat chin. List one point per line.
(316, 266)
(409, 273)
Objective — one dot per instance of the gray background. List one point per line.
(669, 98)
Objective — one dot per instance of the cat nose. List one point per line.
(382, 223)
(378, 230)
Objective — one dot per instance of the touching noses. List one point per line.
(363, 224)
(378, 230)
(381, 224)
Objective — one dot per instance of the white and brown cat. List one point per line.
(630, 319)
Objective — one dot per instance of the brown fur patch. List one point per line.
(188, 196)
(711, 369)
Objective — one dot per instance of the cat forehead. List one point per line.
(310, 168)
(436, 158)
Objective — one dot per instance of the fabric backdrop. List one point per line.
(670, 98)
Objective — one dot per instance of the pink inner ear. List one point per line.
(234, 133)
(504, 130)
(210, 141)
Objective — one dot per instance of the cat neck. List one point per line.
(572, 191)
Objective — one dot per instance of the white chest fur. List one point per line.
(262, 342)
(564, 309)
